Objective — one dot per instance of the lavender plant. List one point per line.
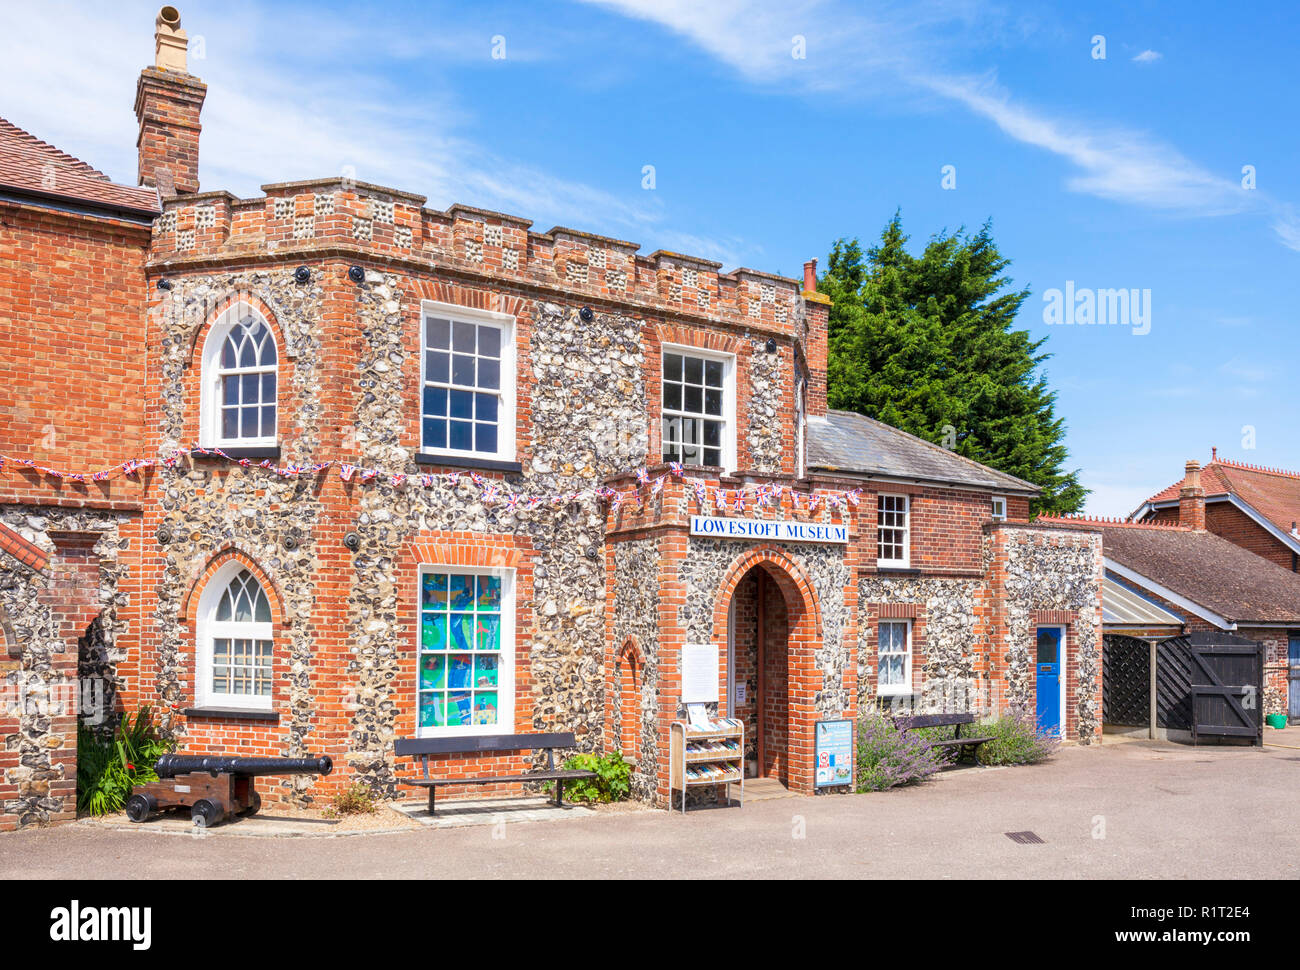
(1016, 740)
(888, 757)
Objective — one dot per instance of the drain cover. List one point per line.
(1024, 838)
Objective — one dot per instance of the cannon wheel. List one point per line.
(139, 807)
(206, 813)
(254, 804)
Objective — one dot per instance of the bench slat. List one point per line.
(934, 720)
(497, 779)
(483, 742)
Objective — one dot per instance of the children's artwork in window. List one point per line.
(460, 649)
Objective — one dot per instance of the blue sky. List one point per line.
(1123, 172)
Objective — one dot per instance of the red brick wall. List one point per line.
(72, 293)
(946, 526)
(1226, 520)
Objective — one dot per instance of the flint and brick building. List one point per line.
(371, 470)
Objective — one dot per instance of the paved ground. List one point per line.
(1163, 811)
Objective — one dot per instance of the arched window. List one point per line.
(238, 406)
(235, 642)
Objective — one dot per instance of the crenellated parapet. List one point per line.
(370, 222)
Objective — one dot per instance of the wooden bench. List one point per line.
(422, 748)
(964, 746)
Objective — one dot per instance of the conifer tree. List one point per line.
(928, 344)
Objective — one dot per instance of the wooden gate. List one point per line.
(1207, 684)
(1227, 685)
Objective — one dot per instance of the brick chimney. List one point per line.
(810, 275)
(168, 100)
(1191, 499)
(816, 319)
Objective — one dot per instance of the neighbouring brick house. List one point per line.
(370, 470)
(1166, 577)
(1258, 510)
(1255, 508)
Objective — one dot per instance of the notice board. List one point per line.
(833, 753)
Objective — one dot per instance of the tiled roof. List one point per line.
(850, 442)
(29, 165)
(1272, 492)
(1208, 570)
(21, 549)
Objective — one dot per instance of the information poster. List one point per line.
(834, 753)
(699, 673)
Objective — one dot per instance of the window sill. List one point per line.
(264, 451)
(230, 713)
(461, 461)
(905, 570)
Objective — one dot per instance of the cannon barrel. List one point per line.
(170, 765)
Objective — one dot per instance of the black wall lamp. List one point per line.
(771, 345)
(587, 314)
(356, 274)
(302, 274)
(164, 284)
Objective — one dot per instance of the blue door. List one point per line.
(1293, 661)
(1049, 679)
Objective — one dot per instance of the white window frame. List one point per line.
(999, 500)
(906, 560)
(894, 690)
(210, 398)
(729, 393)
(207, 629)
(506, 430)
(506, 663)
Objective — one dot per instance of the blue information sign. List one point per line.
(834, 753)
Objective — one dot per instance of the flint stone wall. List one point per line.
(1048, 569)
(35, 688)
(588, 420)
(769, 380)
(705, 568)
(952, 644)
(636, 615)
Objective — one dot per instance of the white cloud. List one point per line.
(1113, 163)
(1249, 371)
(302, 103)
(1286, 224)
(849, 51)
(1147, 57)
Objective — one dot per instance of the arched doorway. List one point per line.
(772, 628)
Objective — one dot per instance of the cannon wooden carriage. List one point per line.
(214, 787)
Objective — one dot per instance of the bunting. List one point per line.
(490, 490)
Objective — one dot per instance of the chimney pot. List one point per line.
(170, 42)
(810, 276)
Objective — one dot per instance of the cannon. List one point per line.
(214, 786)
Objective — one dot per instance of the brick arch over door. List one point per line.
(805, 635)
